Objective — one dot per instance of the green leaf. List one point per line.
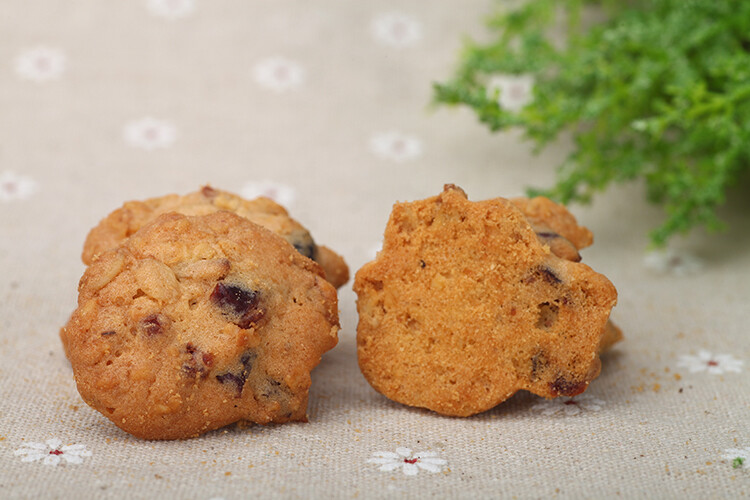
(659, 91)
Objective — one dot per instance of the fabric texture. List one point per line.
(324, 106)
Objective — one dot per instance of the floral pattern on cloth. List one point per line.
(278, 192)
(715, 364)
(396, 29)
(568, 406)
(513, 91)
(279, 74)
(410, 463)
(395, 146)
(670, 261)
(40, 64)
(149, 133)
(738, 457)
(15, 187)
(52, 452)
(171, 9)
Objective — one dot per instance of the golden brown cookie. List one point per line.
(133, 215)
(196, 322)
(465, 305)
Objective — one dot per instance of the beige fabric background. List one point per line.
(655, 429)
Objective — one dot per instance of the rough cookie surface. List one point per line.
(133, 215)
(556, 227)
(196, 322)
(466, 304)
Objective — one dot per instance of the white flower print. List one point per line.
(280, 193)
(396, 29)
(171, 9)
(740, 457)
(279, 74)
(568, 406)
(52, 452)
(15, 187)
(409, 463)
(149, 133)
(715, 364)
(395, 146)
(514, 90)
(40, 64)
(670, 261)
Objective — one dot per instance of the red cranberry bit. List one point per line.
(209, 192)
(564, 387)
(570, 402)
(248, 360)
(713, 363)
(548, 276)
(543, 273)
(547, 235)
(238, 302)
(56, 452)
(411, 460)
(199, 362)
(190, 370)
(153, 324)
(238, 381)
(305, 248)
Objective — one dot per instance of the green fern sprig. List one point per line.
(659, 91)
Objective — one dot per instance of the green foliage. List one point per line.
(737, 462)
(659, 91)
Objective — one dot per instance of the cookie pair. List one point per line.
(199, 311)
(202, 310)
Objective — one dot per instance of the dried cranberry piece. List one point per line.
(248, 359)
(234, 299)
(153, 324)
(307, 249)
(198, 363)
(229, 378)
(238, 302)
(191, 370)
(547, 235)
(238, 379)
(565, 387)
(303, 243)
(209, 192)
(543, 273)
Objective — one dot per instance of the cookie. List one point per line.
(196, 322)
(466, 304)
(133, 215)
